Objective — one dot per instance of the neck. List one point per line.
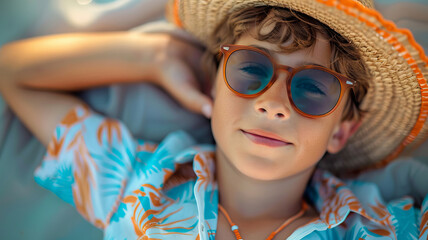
(248, 199)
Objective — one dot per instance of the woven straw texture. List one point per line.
(397, 101)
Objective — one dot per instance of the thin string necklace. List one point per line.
(235, 228)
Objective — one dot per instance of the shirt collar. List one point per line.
(334, 199)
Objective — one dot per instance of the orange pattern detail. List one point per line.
(424, 224)
(82, 190)
(381, 232)
(117, 202)
(337, 201)
(408, 206)
(344, 198)
(380, 210)
(55, 146)
(75, 139)
(142, 223)
(72, 117)
(147, 147)
(385, 216)
(83, 178)
(130, 199)
(204, 176)
(109, 125)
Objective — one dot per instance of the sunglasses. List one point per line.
(314, 91)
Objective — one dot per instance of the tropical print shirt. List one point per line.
(117, 183)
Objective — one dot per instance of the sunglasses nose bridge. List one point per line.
(283, 68)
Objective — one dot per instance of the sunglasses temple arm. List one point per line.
(354, 98)
(219, 55)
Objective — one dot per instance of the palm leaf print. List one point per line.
(83, 178)
(109, 126)
(55, 147)
(381, 232)
(385, 220)
(151, 212)
(380, 210)
(203, 174)
(339, 201)
(77, 115)
(147, 147)
(424, 224)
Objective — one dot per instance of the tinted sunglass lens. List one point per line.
(248, 72)
(315, 91)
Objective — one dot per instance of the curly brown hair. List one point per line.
(302, 30)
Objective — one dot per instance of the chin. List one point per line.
(262, 169)
(262, 175)
(267, 170)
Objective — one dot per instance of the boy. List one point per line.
(288, 89)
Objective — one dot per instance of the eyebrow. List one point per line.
(262, 48)
(270, 53)
(311, 63)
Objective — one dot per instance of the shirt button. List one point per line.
(202, 227)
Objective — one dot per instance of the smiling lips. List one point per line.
(265, 138)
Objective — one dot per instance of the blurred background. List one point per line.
(26, 210)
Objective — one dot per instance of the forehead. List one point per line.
(319, 53)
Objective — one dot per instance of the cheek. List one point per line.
(224, 110)
(314, 137)
(227, 105)
(228, 112)
(313, 142)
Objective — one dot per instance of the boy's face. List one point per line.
(239, 124)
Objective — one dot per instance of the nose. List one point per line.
(274, 103)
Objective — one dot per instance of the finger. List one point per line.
(179, 81)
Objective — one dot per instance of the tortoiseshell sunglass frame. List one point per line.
(345, 82)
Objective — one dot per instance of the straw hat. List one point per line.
(397, 101)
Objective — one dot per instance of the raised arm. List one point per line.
(77, 61)
(35, 73)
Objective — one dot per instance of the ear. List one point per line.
(341, 134)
